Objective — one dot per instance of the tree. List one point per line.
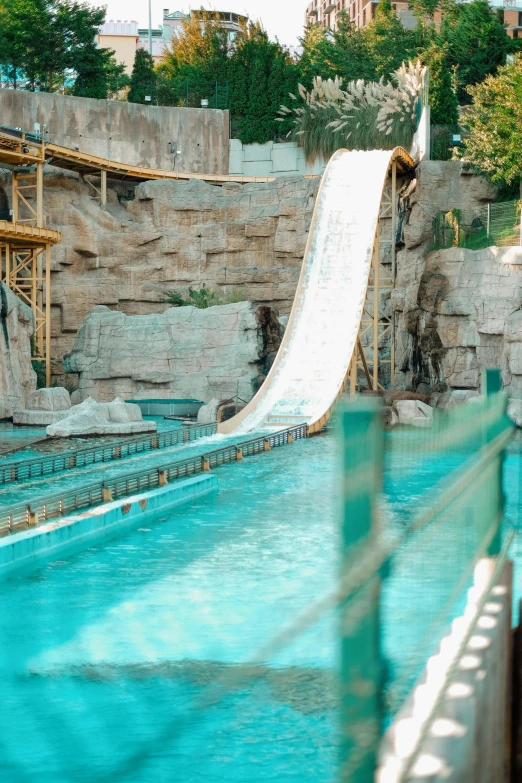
(494, 121)
(343, 52)
(51, 42)
(196, 59)
(388, 42)
(142, 77)
(98, 74)
(475, 42)
(442, 96)
(261, 74)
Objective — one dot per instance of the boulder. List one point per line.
(457, 397)
(54, 399)
(207, 414)
(121, 411)
(514, 411)
(94, 418)
(413, 412)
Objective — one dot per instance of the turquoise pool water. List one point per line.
(108, 658)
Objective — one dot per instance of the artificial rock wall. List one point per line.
(17, 378)
(219, 352)
(236, 238)
(457, 311)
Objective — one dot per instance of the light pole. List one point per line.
(150, 27)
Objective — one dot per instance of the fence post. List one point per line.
(492, 384)
(361, 660)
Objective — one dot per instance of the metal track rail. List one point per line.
(80, 458)
(23, 515)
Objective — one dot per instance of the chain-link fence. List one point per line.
(493, 225)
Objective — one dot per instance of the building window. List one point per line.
(520, 19)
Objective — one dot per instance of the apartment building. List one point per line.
(324, 12)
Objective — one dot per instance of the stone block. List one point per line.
(54, 399)
(236, 163)
(413, 412)
(258, 152)
(284, 157)
(258, 168)
(38, 418)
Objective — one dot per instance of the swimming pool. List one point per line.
(109, 657)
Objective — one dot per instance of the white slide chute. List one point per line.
(314, 358)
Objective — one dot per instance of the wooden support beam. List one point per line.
(39, 195)
(47, 347)
(103, 189)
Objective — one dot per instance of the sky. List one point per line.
(281, 18)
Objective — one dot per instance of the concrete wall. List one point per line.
(27, 551)
(263, 160)
(125, 132)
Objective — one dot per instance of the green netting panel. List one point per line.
(492, 225)
(440, 511)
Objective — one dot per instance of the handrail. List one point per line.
(25, 515)
(79, 458)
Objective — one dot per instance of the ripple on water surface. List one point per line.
(110, 658)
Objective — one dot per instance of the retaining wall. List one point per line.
(270, 159)
(27, 551)
(126, 132)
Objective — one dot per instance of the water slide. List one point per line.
(313, 361)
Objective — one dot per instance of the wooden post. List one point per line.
(205, 463)
(376, 264)
(34, 290)
(290, 438)
(394, 217)
(107, 495)
(239, 453)
(266, 445)
(39, 195)
(361, 658)
(48, 315)
(162, 478)
(353, 372)
(14, 200)
(103, 189)
(492, 384)
(32, 516)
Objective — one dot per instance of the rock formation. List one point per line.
(17, 377)
(173, 235)
(181, 353)
(457, 311)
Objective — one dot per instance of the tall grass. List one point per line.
(362, 115)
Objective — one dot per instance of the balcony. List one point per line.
(506, 5)
(328, 7)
